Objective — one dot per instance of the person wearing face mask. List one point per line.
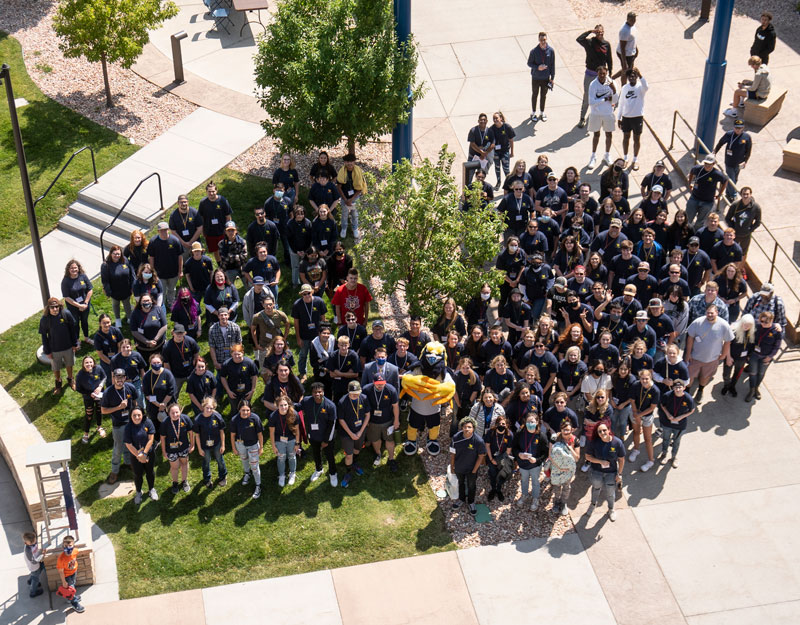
(261, 230)
(278, 208)
(186, 312)
(530, 450)
(215, 211)
(477, 309)
(607, 458)
(499, 451)
(148, 326)
(380, 366)
(467, 451)
(597, 380)
(159, 389)
(148, 282)
(67, 566)
(516, 315)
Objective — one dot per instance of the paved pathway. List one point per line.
(187, 155)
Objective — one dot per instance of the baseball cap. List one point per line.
(738, 123)
(644, 265)
(258, 280)
(694, 241)
(616, 222)
(515, 291)
(377, 323)
(660, 164)
(641, 315)
(658, 189)
(710, 160)
(354, 387)
(230, 224)
(163, 225)
(119, 372)
(552, 176)
(767, 289)
(197, 246)
(178, 329)
(379, 378)
(306, 288)
(631, 13)
(630, 289)
(655, 303)
(561, 281)
(678, 383)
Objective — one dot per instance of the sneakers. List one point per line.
(582, 123)
(750, 394)
(316, 475)
(175, 488)
(281, 481)
(674, 462)
(521, 501)
(663, 455)
(585, 467)
(473, 510)
(698, 396)
(112, 478)
(634, 455)
(185, 486)
(500, 495)
(758, 394)
(410, 448)
(246, 479)
(346, 479)
(79, 608)
(292, 478)
(724, 390)
(377, 461)
(457, 504)
(209, 484)
(534, 505)
(358, 469)
(393, 465)
(137, 499)
(534, 117)
(563, 511)
(592, 161)
(153, 494)
(118, 324)
(356, 235)
(257, 492)
(607, 159)
(635, 164)
(490, 496)
(85, 439)
(543, 117)
(731, 112)
(343, 234)
(223, 481)
(334, 479)
(582, 441)
(612, 515)
(647, 466)
(734, 392)
(497, 186)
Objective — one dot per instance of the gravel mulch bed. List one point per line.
(509, 522)
(141, 110)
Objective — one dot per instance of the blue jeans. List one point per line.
(76, 600)
(33, 579)
(537, 306)
(605, 482)
(697, 211)
(295, 268)
(619, 421)
(352, 213)
(222, 470)
(303, 358)
(139, 394)
(532, 476)
(732, 171)
(504, 160)
(672, 436)
(120, 451)
(756, 368)
(286, 449)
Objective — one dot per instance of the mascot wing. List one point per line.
(423, 388)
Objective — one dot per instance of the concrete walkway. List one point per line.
(186, 156)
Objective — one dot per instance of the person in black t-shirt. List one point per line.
(467, 451)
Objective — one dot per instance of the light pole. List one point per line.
(401, 135)
(5, 76)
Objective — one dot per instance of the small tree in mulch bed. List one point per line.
(420, 241)
(109, 31)
(333, 69)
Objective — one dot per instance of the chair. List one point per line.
(220, 16)
(211, 5)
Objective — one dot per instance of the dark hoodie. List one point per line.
(597, 52)
(763, 42)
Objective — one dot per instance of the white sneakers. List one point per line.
(607, 158)
(731, 112)
(118, 324)
(281, 481)
(585, 467)
(334, 480)
(292, 478)
(612, 515)
(343, 234)
(592, 160)
(543, 117)
(377, 461)
(634, 455)
(647, 466)
(315, 475)
(534, 117)
(521, 501)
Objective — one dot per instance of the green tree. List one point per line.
(428, 247)
(328, 69)
(109, 31)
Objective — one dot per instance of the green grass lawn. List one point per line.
(50, 133)
(206, 538)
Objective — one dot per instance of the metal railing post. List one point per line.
(772, 263)
(119, 212)
(177, 56)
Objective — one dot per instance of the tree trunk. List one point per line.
(351, 146)
(109, 101)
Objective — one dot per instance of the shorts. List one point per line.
(349, 446)
(703, 370)
(606, 123)
(213, 242)
(422, 421)
(647, 420)
(173, 457)
(59, 360)
(633, 124)
(751, 95)
(379, 432)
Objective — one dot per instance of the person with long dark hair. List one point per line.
(76, 289)
(499, 445)
(117, 276)
(186, 312)
(139, 440)
(89, 383)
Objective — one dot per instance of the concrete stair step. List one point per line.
(90, 232)
(96, 216)
(103, 199)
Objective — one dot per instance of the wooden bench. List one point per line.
(791, 156)
(759, 113)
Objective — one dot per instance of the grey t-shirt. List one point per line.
(709, 338)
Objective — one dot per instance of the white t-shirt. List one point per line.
(628, 34)
(597, 94)
(592, 384)
(631, 99)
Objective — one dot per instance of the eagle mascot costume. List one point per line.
(430, 387)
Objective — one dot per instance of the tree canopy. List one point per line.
(333, 69)
(114, 31)
(420, 242)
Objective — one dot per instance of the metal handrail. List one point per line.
(119, 212)
(52, 184)
(776, 246)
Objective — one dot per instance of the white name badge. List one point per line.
(284, 439)
(351, 193)
(209, 443)
(378, 413)
(744, 352)
(151, 398)
(314, 426)
(622, 280)
(215, 221)
(79, 299)
(124, 413)
(323, 241)
(267, 335)
(311, 326)
(185, 233)
(452, 450)
(518, 217)
(757, 349)
(569, 388)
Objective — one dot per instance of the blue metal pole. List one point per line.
(402, 133)
(714, 75)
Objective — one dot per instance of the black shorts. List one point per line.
(422, 421)
(350, 446)
(174, 456)
(633, 124)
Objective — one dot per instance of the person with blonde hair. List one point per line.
(756, 88)
(209, 439)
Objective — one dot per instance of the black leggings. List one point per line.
(141, 469)
(317, 450)
(91, 408)
(539, 87)
(82, 317)
(467, 483)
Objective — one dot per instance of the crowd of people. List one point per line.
(607, 316)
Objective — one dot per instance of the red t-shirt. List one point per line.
(353, 301)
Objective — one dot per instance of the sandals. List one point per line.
(57, 387)
(101, 432)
